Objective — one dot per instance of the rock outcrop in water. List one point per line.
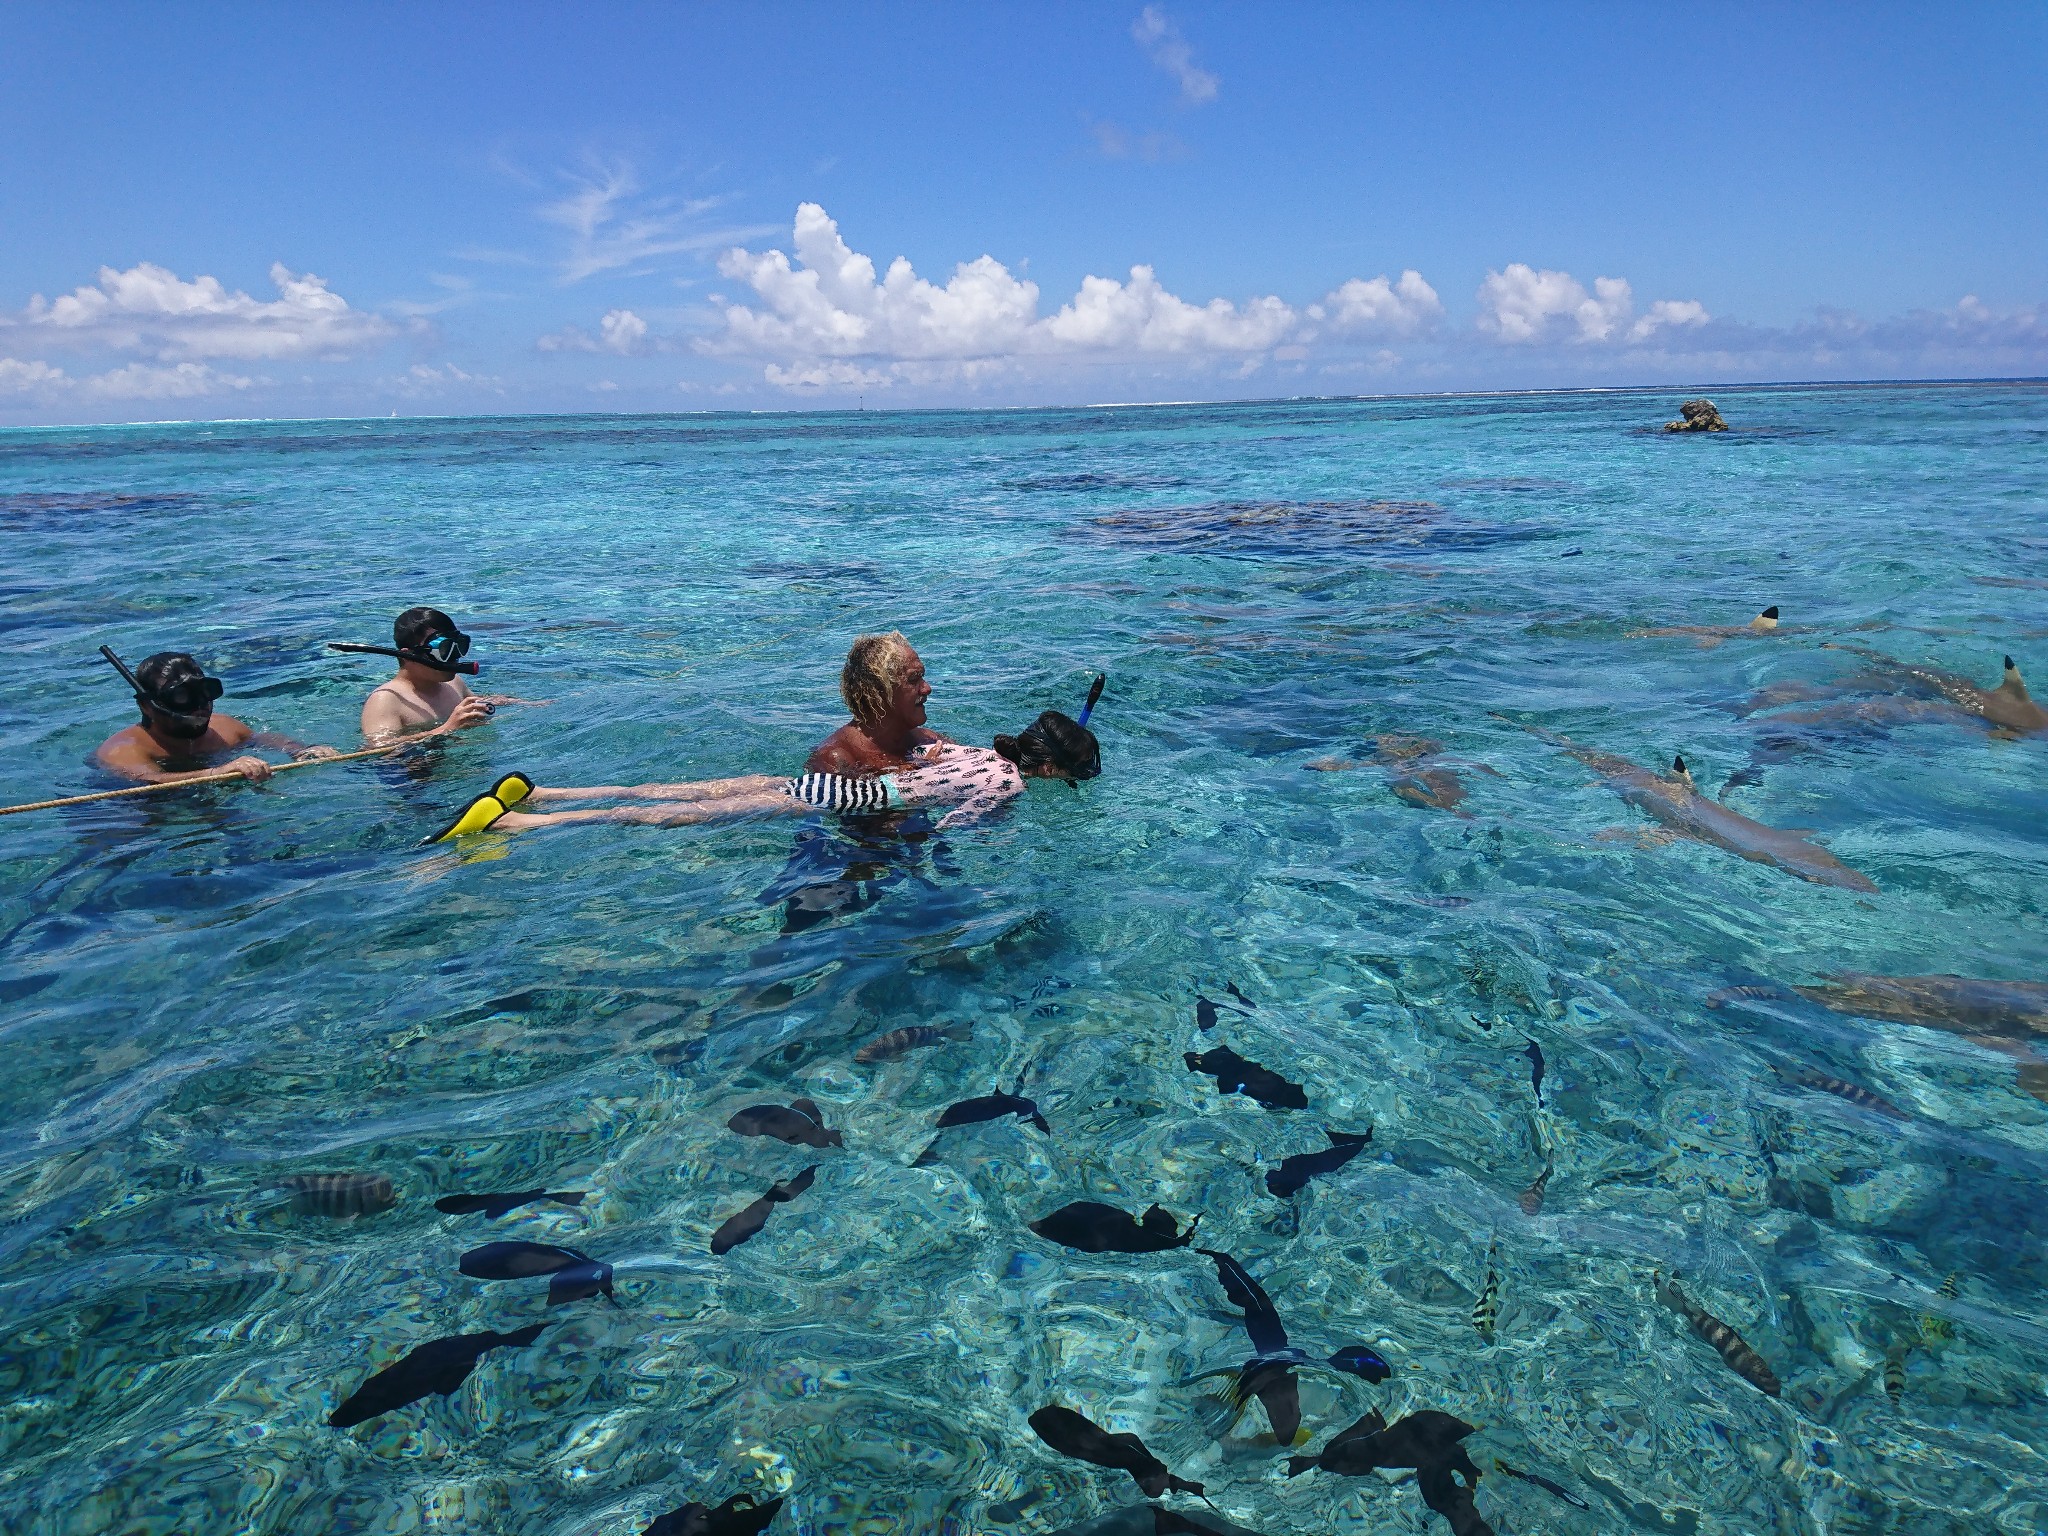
(1697, 416)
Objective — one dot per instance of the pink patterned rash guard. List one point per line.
(975, 780)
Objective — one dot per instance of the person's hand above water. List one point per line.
(314, 754)
(471, 711)
(254, 769)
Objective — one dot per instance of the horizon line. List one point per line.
(1107, 405)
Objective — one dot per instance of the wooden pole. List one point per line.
(224, 777)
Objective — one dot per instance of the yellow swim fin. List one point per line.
(482, 813)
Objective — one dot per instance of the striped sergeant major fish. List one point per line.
(1487, 1308)
(1732, 1347)
(340, 1194)
(1934, 1328)
(1861, 1097)
(899, 1042)
(1895, 1373)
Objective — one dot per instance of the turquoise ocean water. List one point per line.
(205, 994)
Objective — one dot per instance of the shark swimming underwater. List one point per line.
(1710, 635)
(2008, 707)
(2010, 1017)
(1675, 802)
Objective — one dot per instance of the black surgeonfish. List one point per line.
(743, 1224)
(1535, 1055)
(1447, 1488)
(1269, 1374)
(340, 1194)
(576, 1275)
(1297, 1170)
(802, 1124)
(497, 1205)
(438, 1367)
(993, 1106)
(737, 1516)
(1092, 1227)
(898, 1042)
(1072, 1435)
(1544, 1483)
(1234, 1074)
(1362, 1360)
(1419, 1440)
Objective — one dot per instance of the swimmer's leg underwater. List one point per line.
(702, 789)
(678, 813)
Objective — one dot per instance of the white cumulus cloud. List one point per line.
(1155, 32)
(620, 332)
(1669, 315)
(150, 309)
(1521, 304)
(133, 381)
(1377, 307)
(1141, 316)
(23, 376)
(149, 381)
(827, 303)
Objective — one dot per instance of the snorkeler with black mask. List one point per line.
(428, 695)
(971, 782)
(181, 735)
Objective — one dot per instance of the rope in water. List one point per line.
(223, 777)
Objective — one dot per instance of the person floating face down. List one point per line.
(180, 735)
(971, 781)
(427, 696)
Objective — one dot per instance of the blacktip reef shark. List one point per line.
(2010, 1017)
(2008, 708)
(1678, 805)
(1711, 635)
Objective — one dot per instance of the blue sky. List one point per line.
(254, 210)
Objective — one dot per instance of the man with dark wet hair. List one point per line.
(180, 736)
(427, 694)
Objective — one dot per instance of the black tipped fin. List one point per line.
(1770, 612)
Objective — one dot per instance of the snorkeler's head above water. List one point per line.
(174, 694)
(883, 682)
(427, 637)
(1053, 747)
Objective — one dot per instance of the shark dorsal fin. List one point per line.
(2012, 682)
(1681, 773)
(1768, 619)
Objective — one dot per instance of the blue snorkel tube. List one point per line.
(1094, 694)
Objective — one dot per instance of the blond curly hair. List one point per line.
(874, 666)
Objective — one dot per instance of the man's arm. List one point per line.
(128, 757)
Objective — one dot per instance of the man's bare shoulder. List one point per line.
(836, 754)
(126, 751)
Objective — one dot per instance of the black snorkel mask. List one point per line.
(443, 653)
(182, 711)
